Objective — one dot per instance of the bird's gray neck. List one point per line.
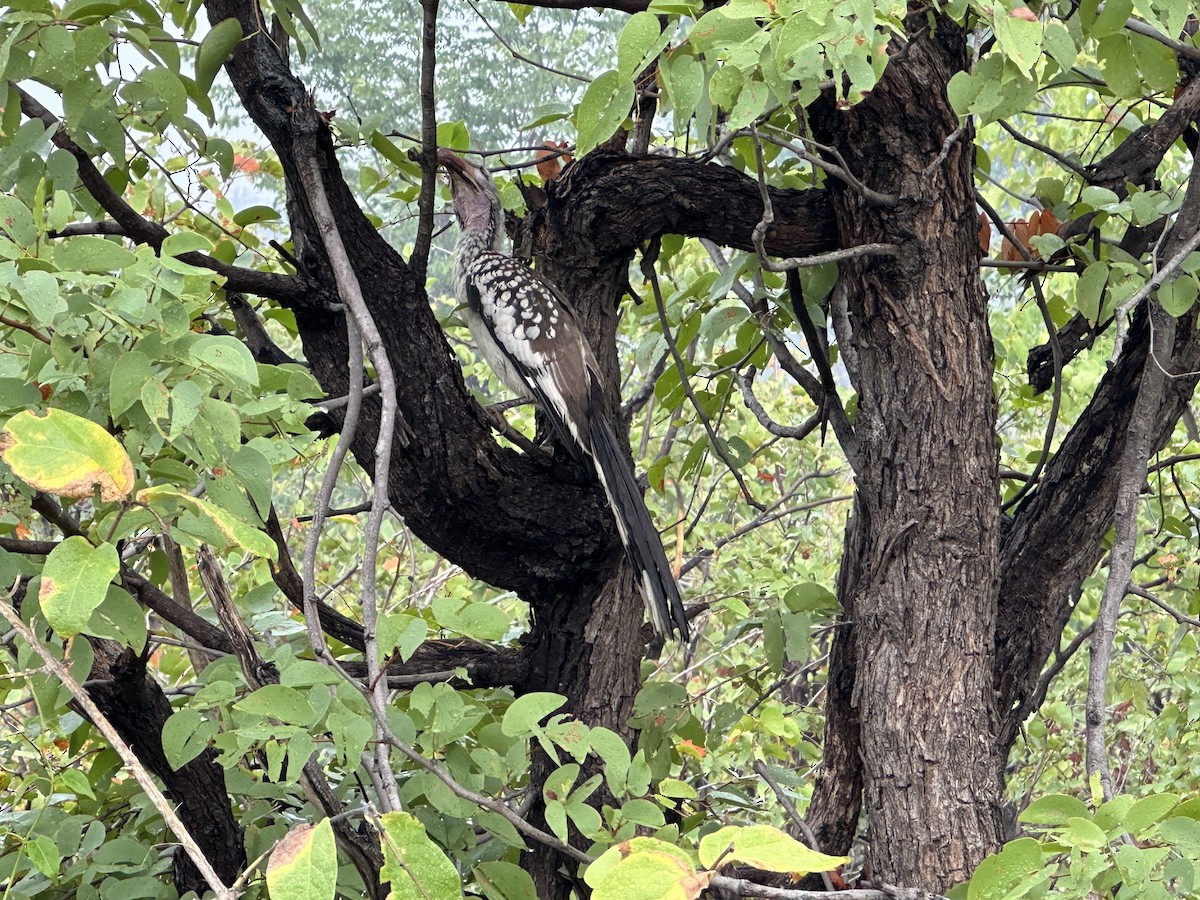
(471, 243)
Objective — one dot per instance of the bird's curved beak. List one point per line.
(461, 172)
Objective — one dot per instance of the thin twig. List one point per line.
(759, 234)
(1068, 164)
(389, 419)
(764, 518)
(144, 231)
(827, 402)
(739, 887)
(520, 57)
(941, 157)
(1055, 350)
(1137, 26)
(840, 171)
(798, 432)
(484, 802)
(1165, 607)
(25, 327)
(1034, 265)
(419, 261)
(161, 804)
(713, 440)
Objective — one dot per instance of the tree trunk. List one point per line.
(924, 584)
(138, 709)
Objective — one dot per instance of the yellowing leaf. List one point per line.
(303, 865)
(75, 581)
(645, 869)
(236, 531)
(67, 455)
(766, 848)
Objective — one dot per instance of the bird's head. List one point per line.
(476, 201)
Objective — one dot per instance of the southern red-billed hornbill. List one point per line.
(527, 332)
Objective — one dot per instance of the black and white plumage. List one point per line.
(528, 333)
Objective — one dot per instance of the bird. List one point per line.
(527, 332)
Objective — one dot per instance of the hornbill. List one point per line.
(528, 333)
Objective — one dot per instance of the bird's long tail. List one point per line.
(638, 534)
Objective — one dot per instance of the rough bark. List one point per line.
(135, 704)
(923, 596)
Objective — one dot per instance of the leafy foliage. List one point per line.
(140, 426)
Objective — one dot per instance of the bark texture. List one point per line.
(138, 709)
(924, 545)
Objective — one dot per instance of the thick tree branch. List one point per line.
(615, 202)
(1054, 541)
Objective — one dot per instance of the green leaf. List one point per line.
(185, 736)
(1178, 295)
(1084, 834)
(766, 848)
(227, 355)
(474, 619)
(1111, 814)
(403, 631)
(505, 881)
(132, 370)
(637, 38)
(1111, 19)
(180, 242)
(1119, 67)
(44, 855)
(523, 716)
(609, 746)
(724, 86)
(997, 874)
(67, 455)
(1020, 40)
(384, 147)
(1157, 63)
(1089, 289)
(40, 294)
(120, 618)
(604, 106)
(546, 114)
(304, 864)
(415, 865)
(216, 47)
(1059, 44)
(254, 214)
(235, 530)
(88, 253)
(750, 103)
(684, 77)
(643, 812)
(1184, 833)
(74, 582)
(675, 7)
(77, 783)
(1054, 809)
(1147, 811)
(276, 701)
